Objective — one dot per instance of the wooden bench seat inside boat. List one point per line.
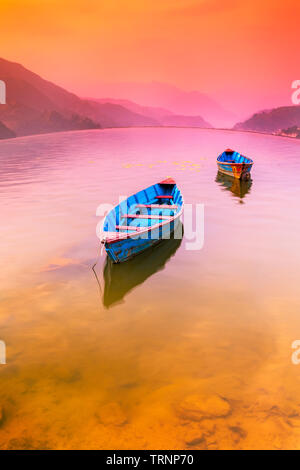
(113, 235)
(146, 216)
(158, 206)
(129, 227)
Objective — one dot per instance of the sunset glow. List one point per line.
(149, 194)
(242, 53)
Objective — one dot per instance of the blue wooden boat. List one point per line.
(142, 220)
(234, 164)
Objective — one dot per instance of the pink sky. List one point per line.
(244, 53)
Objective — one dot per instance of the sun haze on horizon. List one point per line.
(242, 53)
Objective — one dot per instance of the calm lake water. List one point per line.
(176, 349)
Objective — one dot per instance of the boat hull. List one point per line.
(125, 249)
(232, 163)
(236, 170)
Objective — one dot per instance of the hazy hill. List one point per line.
(150, 111)
(272, 121)
(185, 121)
(163, 116)
(6, 133)
(35, 105)
(162, 95)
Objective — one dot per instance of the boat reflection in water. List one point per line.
(238, 188)
(119, 279)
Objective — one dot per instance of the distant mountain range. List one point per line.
(36, 106)
(163, 95)
(155, 113)
(163, 117)
(272, 121)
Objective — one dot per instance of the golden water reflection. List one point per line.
(119, 279)
(146, 378)
(238, 188)
(194, 350)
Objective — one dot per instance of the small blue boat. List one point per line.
(234, 164)
(142, 220)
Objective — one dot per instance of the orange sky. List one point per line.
(233, 49)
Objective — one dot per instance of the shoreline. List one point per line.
(151, 127)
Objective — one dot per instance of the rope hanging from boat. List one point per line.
(102, 242)
(93, 268)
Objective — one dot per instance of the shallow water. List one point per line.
(182, 349)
